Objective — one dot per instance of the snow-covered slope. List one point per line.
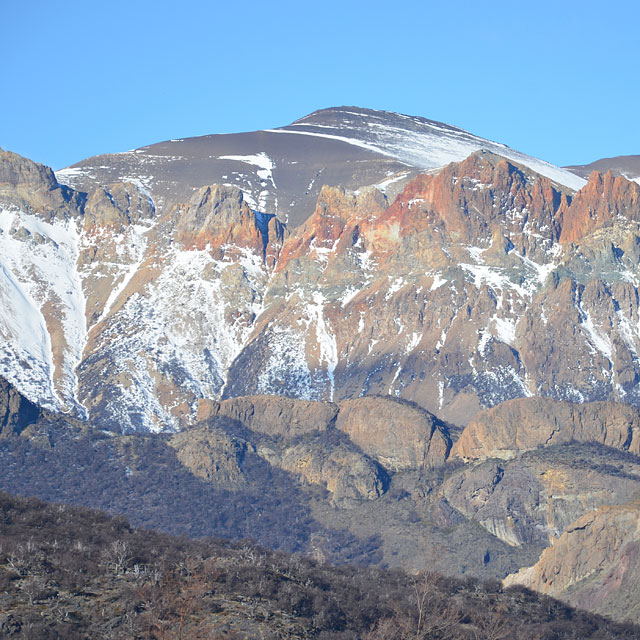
(43, 327)
(415, 141)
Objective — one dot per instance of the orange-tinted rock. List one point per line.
(528, 423)
(397, 434)
(601, 201)
(334, 224)
(216, 216)
(279, 416)
(594, 565)
(465, 200)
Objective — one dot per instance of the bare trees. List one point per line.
(117, 556)
(431, 614)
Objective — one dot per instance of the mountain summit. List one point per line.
(281, 171)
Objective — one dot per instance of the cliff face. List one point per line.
(467, 201)
(25, 184)
(279, 416)
(397, 435)
(532, 498)
(348, 448)
(594, 564)
(16, 412)
(603, 200)
(113, 208)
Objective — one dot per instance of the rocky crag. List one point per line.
(594, 564)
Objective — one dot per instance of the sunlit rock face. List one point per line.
(594, 564)
(529, 423)
(118, 311)
(458, 295)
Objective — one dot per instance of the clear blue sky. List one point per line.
(558, 80)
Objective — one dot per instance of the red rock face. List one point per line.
(604, 199)
(457, 296)
(467, 200)
(215, 217)
(334, 227)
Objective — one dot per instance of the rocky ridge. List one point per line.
(365, 479)
(528, 423)
(293, 481)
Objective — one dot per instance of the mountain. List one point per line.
(480, 282)
(626, 166)
(430, 367)
(281, 171)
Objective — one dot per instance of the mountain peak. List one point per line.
(348, 113)
(17, 171)
(415, 141)
(282, 170)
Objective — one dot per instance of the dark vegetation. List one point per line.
(141, 478)
(593, 456)
(68, 572)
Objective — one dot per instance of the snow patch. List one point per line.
(395, 286)
(328, 349)
(265, 173)
(42, 289)
(494, 277)
(438, 281)
(600, 341)
(425, 144)
(136, 244)
(287, 350)
(385, 184)
(505, 329)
